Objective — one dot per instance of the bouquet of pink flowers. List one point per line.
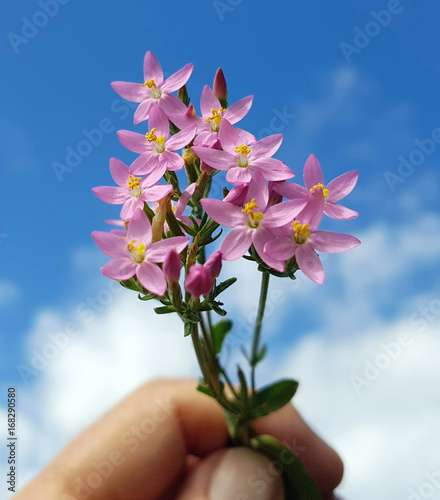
(161, 248)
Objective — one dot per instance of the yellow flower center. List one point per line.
(151, 84)
(134, 186)
(254, 218)
(137, 251)
(159, 147)
(302, 232)
(242, 149)
(324, 190)
(215, 119)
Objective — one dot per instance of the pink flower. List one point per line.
(136, 255)
(214, 263)
(132, 191)
(154, 91)
(242, 156)
(157, 148)
(301, 240)
(212, 117)
(322, 197)
(254, 223)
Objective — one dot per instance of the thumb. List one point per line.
(234, 474)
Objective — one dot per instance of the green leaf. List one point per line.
(298, 484)
(164, 309)
(272, 398)
(132, 284)
(204, 388)
(147, 296)
(221, 287)
(187, 329)
(190, 316)
(219, 332)
(260, 355)
(216, 308)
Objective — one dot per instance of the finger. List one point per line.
(138, 448)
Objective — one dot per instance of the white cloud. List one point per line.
(9, 292)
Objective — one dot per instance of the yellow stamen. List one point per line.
(302, 232)
(140, 250)
(324, 190)
(249, 207)
(151, 136)
(133, 182)
(161, 139)
(242, 149)
(216, 116)
(131, 246)
(150, 84)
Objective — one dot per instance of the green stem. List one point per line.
(258, 324)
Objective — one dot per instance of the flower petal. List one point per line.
(341, 186)
(238, 175)
(184, 199)
(119, 172)
(120, 269)
(231, 136)
(329, 242)
(267, 147)
(148, 164)
(208, 101)
(236, 243)
(143, 110)
(110, 244)
(133, 141)
(340, 212)
(171, 104)
(130, 206)
(152, 69)
(158, 251)
(111, 194)
(312, 172)
(291, 190)
(133, 92)
(310, 263)
(283, 213)
(159, 120)
(156, 192)
(281, 249)
(223, 213)
(238, 110)
(178, 79)
(152, 278)
(173, 160)
(260, 237)
(182, 138)
(220, 160)
(139, 228)
(272, 169)
(259, 190)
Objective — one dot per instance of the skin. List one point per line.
(164, 441)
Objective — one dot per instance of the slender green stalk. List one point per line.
(258, 324)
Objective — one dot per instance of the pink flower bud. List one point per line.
(171, 266)
(199, 281)
(214, 264)
(274, 197)
(237, 195)
(219, 87)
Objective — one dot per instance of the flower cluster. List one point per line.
(272, 220)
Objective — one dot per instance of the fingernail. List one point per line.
(244, 474)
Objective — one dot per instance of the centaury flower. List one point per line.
(252, 224)
(154, 91)
(301, 239)
(242, 156)
(132, 191)
(137, 255)
(156, 148)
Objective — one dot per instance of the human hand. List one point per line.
(168, 441)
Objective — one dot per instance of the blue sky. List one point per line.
(360, 102)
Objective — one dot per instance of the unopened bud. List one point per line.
(171, 266)
(189, 157)
(220, 89)
(214, 264)
(199, 281)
